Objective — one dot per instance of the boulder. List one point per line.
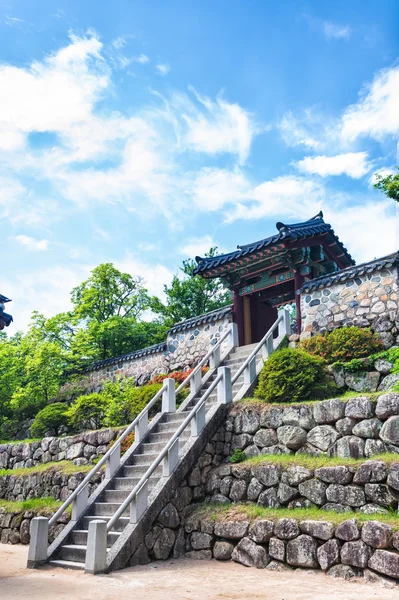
(328, 554)
(241, 441)
(286, 493)
(338, 374)
(269, 498)
(238, 491)
(348, 495)
(345, 426)
(225, 485)
(364, 381)
(390, 431)
(286, 529)
(261, 531)
(232, 530)
(164, 544)
(251, 451)
(387, 405)
(247, 421)
(296, 474)
(393, 477)
(382, 323)
(169, 517)
(336, 507)
(302, 552)
(254, 489)
(373, 447)
(200, 541)
(373, 509)
(75, 451)
(277, 549)
(368, 428)
(343, 571)
(385, 562)
(348, 530)
(223, 550)
(386, 338)
(378, 493)
(291, 436)
(199, 554)
(389, 382)
(339, 474)
(371, 577)
(356, 554)
(328, 411)
(359, 408)
(322, 437)
(383, 366)
(277, 566)
(272, 417)
(349, 446)
(299, 416)
(265, 437)
(322, 530)
(250, 554)
(376, 534)
(371, 471)
(314, 490)
(268, 475)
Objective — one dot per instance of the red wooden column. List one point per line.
(238, 317)
(298, 282)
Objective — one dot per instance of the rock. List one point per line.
(265, 437)
(349, 446)
(251, 451)
(382, 323)
(277, 549)
(247, 421)
(225, 485)
(277, 566)
(182, 497)
(200, 541)
(347, 531)
(272, 417)
(231, 530)
(254, 489)
(322, 530)
(371, 577)
(338, 474)
(291, 436)
(250, 554)
(336, 507)
(371, 471)
(179, 549)
(223, 550)
(389, 382)
(164, 544)
(359, 408)
(152, 537)
(372, 509)
(385, 562)
(385, 337)
(296, 474)
(314, 490)
(345, 426)
(302, 552)
(261, 531)
(376, 534)
(349, 495)
(309, 450)
(75, 451)
(286, 493)
(328, 554)
(339, 375)
(269, 499)
(169, 517)
(286, 529)
(387, 405)
(343, 571)
(238, 491)
(369, 428)
(379, 494)
(395, 540)
(329, 411)
(390, 431)
(383, 366)
(393, 477)
(241, 441)
(373, 447)
(322, 437)
(364, 381)
(355, 554)
(199, 554)
(140, 557)
(268, 475)
(299, 416)
(24, 531)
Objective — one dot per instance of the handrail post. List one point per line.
(96, 553)
(268, 347)
(214, 360)
(198, 422)
(284, 326)
(171, 459)
(224, 388)
(250, 371)
(169, 396)
(141, 428)
(113, 462)
(195, 381)
(37, 554)
(79, 504)
(138, 506)
(233, 336)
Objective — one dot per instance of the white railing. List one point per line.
(112, 458)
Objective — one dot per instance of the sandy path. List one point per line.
(182, 579)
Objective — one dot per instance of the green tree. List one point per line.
(389, 185)
(191, 295)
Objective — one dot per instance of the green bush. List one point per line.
(343, 344)
(53, 418)
(237, 456)
(130, 403)
(293, 375)
(88, 412)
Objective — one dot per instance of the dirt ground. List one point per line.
(181, 579)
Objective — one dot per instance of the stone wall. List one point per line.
(51, 483)
(15, 526)
(355, 296)
(81, 449)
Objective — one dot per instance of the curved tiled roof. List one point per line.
(292, 232)
(350, 273)
(117, 359)
(215, 315)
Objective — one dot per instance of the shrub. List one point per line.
(124, 409)
(88, 412)
(292, 375)
(178, 376)
(127, 442)
(342, 345)
(237, 456)
(53, 418)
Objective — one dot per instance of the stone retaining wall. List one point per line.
(15, 526)
(79, 448)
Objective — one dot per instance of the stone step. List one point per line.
(144, 459)
(164, 437)
(139, 470)
(119, 525)
(107, 509)
(175, 417)
(158, 446)
(79, 537)
(73, 552)
(67, 564)
(118, 496)
(128, 483)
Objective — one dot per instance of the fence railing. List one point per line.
(112, 458)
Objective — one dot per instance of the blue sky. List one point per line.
(143, 132)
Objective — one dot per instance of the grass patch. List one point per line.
(63, 466)
(257, 402)
(42, 505)
(251, 512)
(26, 441)
(313, 462)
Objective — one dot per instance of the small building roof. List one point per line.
(286, 233)
(4, 298)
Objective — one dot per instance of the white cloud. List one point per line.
(119, 42)
(353, 164)
(142, 59)
(384, 172)
(163, 69)
(198, 246)
(376, 114)
(334, 31)
(213, 188)
(298, 131)
(155, 275)
(32, 244)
